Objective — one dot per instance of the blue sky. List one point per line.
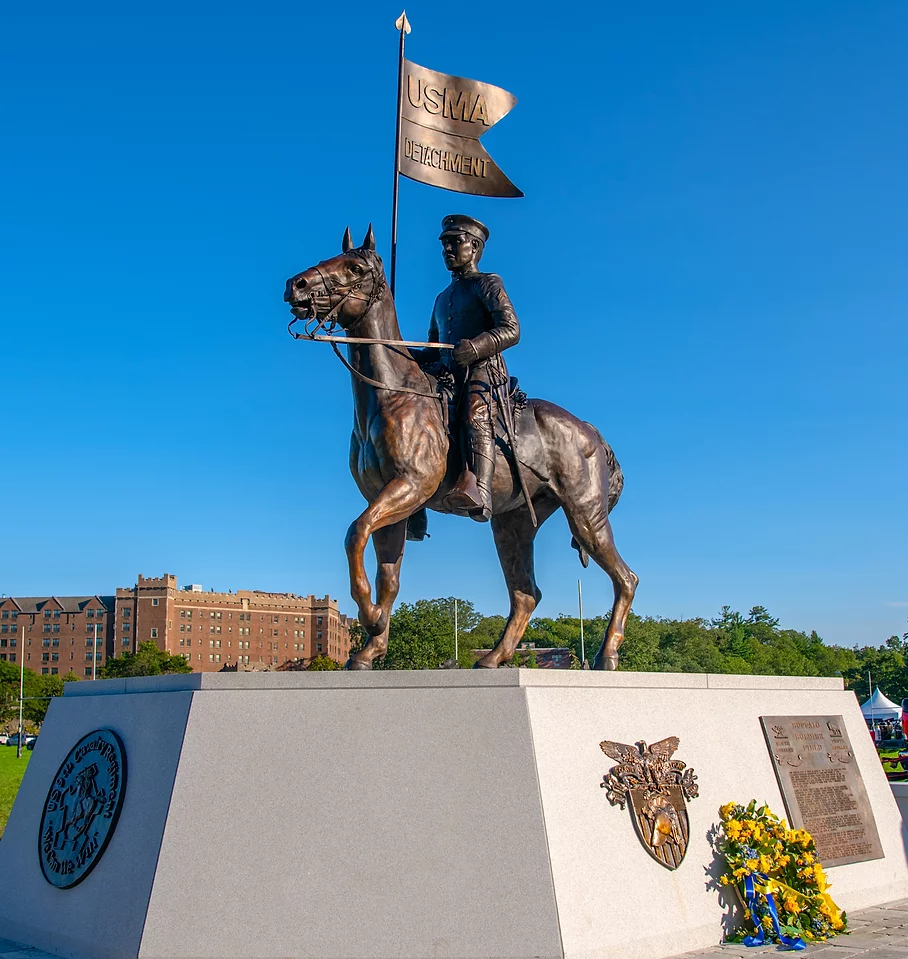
(709, 265)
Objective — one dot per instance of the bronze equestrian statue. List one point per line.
(401, 457)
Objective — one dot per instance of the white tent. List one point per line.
(879, 707)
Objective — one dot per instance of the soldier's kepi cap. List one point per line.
(457, 223)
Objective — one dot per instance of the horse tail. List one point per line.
(615, 476)
(615, 487)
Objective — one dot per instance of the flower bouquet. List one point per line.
(776, 873)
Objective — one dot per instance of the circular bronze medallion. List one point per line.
(82, 808)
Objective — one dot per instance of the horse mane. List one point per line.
(374, 262)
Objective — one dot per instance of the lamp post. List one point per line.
(21, 692)
(455, 635)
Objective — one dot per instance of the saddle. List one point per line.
(527, 440)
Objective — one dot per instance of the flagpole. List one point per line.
(403, 25)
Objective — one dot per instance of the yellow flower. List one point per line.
(791, 905)
(733, 828)
(752, 864)
(767, 922)
(724, 880)
(726, 811)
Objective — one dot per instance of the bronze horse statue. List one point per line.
(399, 458)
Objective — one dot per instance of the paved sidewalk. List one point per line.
(880, 932)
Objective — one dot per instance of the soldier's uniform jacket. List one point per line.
(474, 307)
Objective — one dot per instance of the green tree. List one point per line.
(323, 662)
(147, 660)
(421, 634)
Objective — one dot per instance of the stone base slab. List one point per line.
(409, 815)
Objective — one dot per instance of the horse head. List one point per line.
(341, 290)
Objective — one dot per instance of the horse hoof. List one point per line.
(353, 663)
(479, 664)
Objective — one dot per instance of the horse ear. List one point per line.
(348, 241)
(369, 241)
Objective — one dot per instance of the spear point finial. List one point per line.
(403, 23)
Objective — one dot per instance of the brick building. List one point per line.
(59, 633)
(214, 630)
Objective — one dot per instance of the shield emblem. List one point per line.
(657, 788)
(660, 819)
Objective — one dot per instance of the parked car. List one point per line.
(3, 739)
(30, 743)
(14, 739)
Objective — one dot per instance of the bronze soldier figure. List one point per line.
(475, 313)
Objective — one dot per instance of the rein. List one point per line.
(381, 386)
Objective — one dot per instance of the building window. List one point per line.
(182, 627)
(319, 621)
(154, 601)
(127, 612)
(319, 647)
(56, 627)
(46, 627)
(56, 614)
(125, 641)
(154, 633)
(189, 614)
(274, 632)
(125, 627)
(274, 619)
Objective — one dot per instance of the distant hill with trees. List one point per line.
(422, 637)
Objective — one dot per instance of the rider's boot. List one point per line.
(472, 493)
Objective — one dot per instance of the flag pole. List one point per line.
(403, 25)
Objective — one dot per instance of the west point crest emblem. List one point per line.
(656, 787)
(82, 808)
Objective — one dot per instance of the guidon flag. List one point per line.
(442, 118)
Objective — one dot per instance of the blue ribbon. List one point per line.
(750, 895)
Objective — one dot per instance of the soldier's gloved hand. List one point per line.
(465, 353)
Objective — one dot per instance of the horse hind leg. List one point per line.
(514, 535)
(586, 507)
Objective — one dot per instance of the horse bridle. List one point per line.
(328, 322)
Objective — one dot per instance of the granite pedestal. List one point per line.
(408, 815)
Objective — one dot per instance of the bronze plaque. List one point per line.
(822, 786)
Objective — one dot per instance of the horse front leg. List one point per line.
(389, 551)
(394, 504)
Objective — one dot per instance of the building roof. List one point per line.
(66, 604)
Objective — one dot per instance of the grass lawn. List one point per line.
(11, 772)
